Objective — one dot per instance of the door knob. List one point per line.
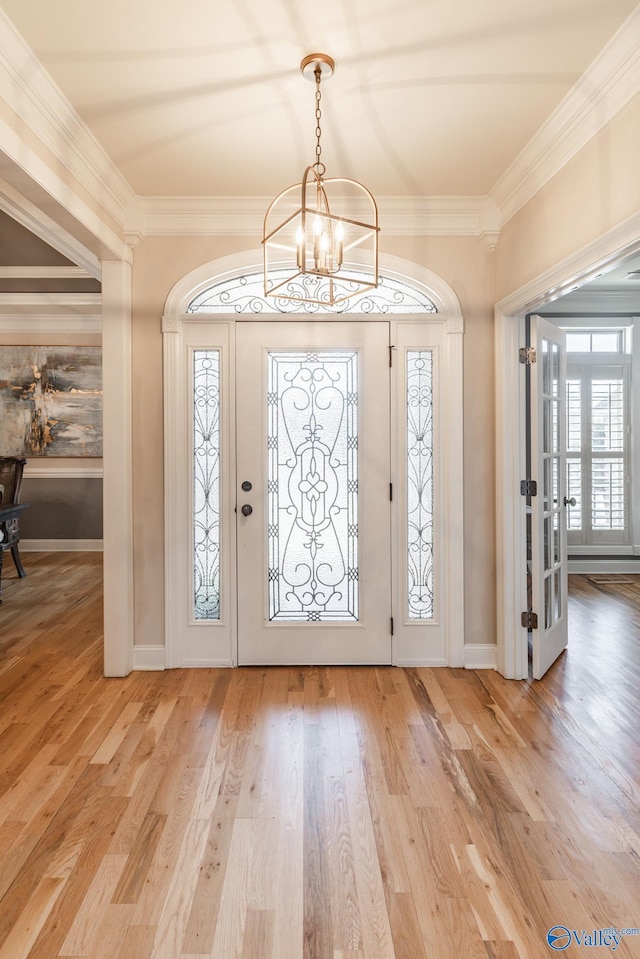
(246, 486)
(570, 502)
(246, 510)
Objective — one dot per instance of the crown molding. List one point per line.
(607, 85)
(36, 99)
(244, 216)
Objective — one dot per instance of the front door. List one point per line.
(313, 492)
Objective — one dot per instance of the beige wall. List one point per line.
(462, 262)
(158, 265)
(595, 192)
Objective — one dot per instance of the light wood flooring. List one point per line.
(358, 813)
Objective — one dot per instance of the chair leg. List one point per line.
(16, 560)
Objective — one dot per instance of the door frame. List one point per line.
(448, 318)
(510, 427)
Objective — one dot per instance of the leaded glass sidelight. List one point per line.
(419, 439)
(312, 485)
(206, 484)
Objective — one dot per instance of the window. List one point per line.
(245, 294)
(600, 341)
(598, 453)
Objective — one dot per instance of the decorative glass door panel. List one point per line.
(419, 404)
(313, 516)
(312, 485)
(206, 484)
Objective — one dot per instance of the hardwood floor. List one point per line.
(358, 813)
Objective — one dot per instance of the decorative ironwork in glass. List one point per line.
(419, 371)
(206, 484)
(312, 485)
(245, 294)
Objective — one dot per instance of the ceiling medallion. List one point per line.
(311, 227)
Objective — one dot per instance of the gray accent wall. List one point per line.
(62, 508)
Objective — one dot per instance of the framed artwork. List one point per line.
(50, 401)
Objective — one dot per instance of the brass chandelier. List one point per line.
(311, 227)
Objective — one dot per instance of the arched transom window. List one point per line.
(245, 294)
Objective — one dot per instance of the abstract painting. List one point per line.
(50, 401)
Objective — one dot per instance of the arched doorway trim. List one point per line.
(238, 264)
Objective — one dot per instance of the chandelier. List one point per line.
(312, 227)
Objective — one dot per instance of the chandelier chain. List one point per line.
(318, 166)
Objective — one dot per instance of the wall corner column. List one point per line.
(117, 461)
(453, 493)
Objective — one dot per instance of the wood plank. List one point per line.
(205, 902)
(405, 928)
(232, 914)
(318, 927)
(258, 934)
(177, 904)
(21, 937)
(81, 936)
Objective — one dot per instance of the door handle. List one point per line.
(570, 502)
(246, 510)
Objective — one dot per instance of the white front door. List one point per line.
(549, 507)
(313, 492)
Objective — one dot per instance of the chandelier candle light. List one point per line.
(313, 226)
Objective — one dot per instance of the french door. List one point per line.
(549, 563)
(313, 492)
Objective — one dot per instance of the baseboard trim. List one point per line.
(149, 658)
(481, 656)
(419, 663)
(207, 664)
(153, 658)
(604, 566)
(61, 545)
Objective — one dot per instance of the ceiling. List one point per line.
(429, 98)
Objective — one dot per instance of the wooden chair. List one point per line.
(11, 468)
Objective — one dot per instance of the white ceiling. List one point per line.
(430, 97)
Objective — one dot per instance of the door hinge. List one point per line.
(391, 492)
(529, 620)
(392, 625)
(527, 354)
(528, 488)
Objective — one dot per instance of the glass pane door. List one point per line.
(549, 521)
(313, 453)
